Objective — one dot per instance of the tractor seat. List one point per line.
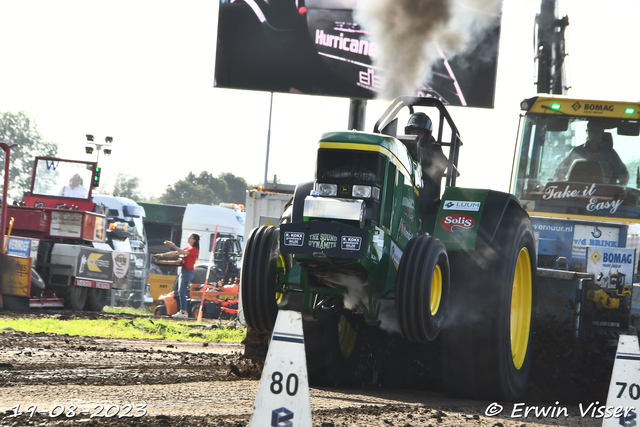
(586, 171)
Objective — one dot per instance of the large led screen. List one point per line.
(318, 47)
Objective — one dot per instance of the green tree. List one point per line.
(127, 186)
(206, 189)
(22, 135)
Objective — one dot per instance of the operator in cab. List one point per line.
(74, 188)
(430, 156)
(596, 151)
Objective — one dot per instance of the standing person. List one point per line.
(188, 266)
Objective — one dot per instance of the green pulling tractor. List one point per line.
(369, 249)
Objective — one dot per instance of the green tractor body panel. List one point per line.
(459, 217)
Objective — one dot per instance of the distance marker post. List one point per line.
(623, 400)
(283, 393)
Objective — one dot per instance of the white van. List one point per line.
(203, 219)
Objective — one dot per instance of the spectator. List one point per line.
(188, 270)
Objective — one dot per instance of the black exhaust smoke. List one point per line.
(410, 35)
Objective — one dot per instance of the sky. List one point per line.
(142, 72)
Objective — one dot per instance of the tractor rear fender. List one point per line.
(469, 218)
(492, 215)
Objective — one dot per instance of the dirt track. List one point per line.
(97, 381)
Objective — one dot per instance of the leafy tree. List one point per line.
(206, 189)
(22, 135)
(127, 186)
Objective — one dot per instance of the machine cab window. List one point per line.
(578, 164)
(61, 178)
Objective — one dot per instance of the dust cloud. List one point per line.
(413, 34)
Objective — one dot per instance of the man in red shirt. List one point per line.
(188, 270)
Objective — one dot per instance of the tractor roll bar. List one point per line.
(399, 103)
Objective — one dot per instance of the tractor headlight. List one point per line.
(328, 189)
(365, 192)
(361, 191)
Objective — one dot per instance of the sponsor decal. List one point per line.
(405, 230)
(83, 283)
(593, 204)
(598, 107)
(457, 205)
(19, 247)
(408, 203)
(457, 222)
(396, 255)
(323, 241)
(66, 224)
(594, 236)
(408, 208)
(16, 276)
(120, 264)
(92, 284)
(604, 263)
(292, 238)
(94, 263)
(351, 243)
(378, 241)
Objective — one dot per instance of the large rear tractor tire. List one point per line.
(422, 289)
(259, 289)
(487, 338)
(337, 350)
(96, 299)
(75, 297)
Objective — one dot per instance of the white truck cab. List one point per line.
(122, 209)
(203, 220)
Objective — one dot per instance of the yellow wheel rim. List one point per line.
(521, 301)
(346, 336)
(436, 290)
(281, 266)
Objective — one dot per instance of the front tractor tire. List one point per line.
(487, 338)
(259, 289)
(422, 289)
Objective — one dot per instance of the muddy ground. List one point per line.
(61, 380)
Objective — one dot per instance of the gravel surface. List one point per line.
(61, 380)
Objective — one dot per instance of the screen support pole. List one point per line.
(357, 112)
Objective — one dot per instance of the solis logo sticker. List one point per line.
(457, 222)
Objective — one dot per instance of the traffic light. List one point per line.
(96, 176)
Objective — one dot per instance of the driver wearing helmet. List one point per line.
(431, 157)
